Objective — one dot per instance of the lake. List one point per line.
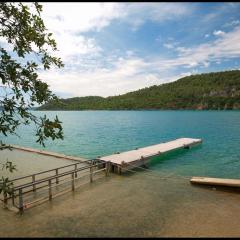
(97, 133)
(141, 204)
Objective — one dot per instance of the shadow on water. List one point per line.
(161, 163)
(158, 160)
(226, 189)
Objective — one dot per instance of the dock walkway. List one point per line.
(139, 156)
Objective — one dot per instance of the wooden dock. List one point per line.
(216, 181)
(140, 156)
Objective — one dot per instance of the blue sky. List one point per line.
(113, 48)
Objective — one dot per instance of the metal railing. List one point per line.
(47, 184)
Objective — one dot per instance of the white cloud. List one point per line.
(183, 50)
(124, 74)
(83, 17)
(206, 64)
(68, 21)
(138, 13)
(91, 71)
(171, 44)
(218, 33)
(130, 53)
(85, 72)
(168, 45)
(72, 45)
(235, 22)
(232, 23)
(80, 17)
(228, 46)
(128, 74)
(101, 81)
(219, 10)
(211, 16)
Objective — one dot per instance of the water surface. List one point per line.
(141, 204)
(97, 133)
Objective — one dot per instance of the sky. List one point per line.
(113, 48)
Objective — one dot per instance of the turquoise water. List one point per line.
(97, 133)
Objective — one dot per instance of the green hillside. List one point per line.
(219, 90)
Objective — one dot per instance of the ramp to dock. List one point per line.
(138, 155)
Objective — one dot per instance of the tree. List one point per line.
(27, 47)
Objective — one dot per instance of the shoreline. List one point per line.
(48, 153)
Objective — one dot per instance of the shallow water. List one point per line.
(137, 205)
(97, 133)
(28, 162)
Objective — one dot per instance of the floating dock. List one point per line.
(216, 181)
(26, 189)
(139, 156)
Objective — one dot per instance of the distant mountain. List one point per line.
(218, 90)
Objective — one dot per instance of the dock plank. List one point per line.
(147, 152)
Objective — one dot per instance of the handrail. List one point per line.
(39, 173)
(54, 177)
(47, 183)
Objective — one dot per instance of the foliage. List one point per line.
(25, 47)
(219, 90)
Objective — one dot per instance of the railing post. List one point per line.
(33, 181)
(5, 199)
(76, 170)
(119, 169)
(13, 197)
(20, 194)
(91, 174)
(73, 182)
(50, 189)
(57, 181)
(107, 166)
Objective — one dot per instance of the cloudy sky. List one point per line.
(113, 48)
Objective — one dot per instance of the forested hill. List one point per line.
(219, 90)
